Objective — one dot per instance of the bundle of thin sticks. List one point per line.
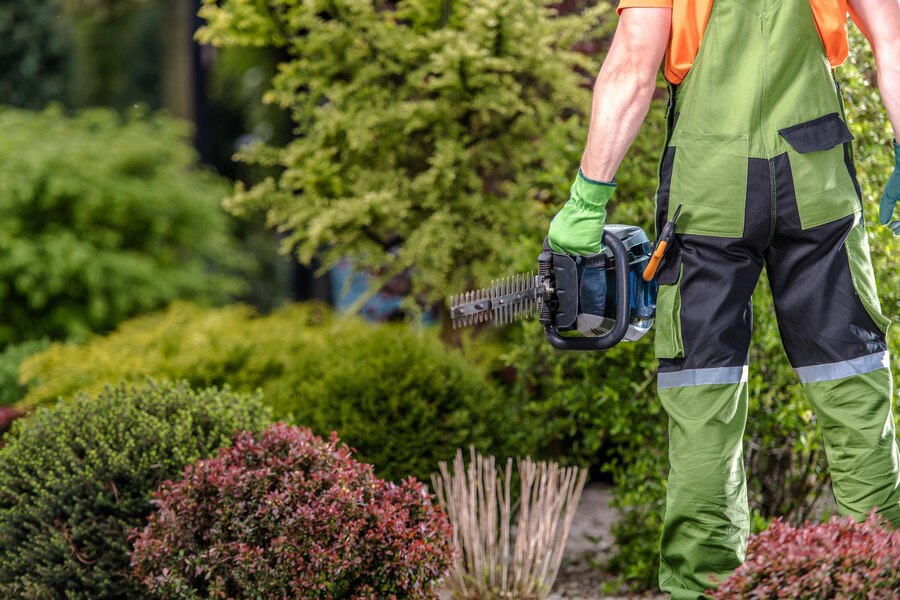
(492, 557)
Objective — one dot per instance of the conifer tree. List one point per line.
(430, 135)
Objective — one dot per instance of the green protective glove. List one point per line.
(891, 195)
(578, 227)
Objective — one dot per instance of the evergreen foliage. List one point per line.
(77, 477)
(102, 218)
(429, 134)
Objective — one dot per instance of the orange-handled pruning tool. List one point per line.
(662, 244)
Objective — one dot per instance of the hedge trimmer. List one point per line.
(607, 297)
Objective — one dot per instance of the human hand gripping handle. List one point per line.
(578, 227)
(891, 195)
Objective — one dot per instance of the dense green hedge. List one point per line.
(76, 478)
(102, 218)
(393, 392)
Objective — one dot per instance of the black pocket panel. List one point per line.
(823, 133)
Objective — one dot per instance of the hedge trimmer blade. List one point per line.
(508, 299)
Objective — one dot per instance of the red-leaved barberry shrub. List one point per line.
(289, 515)
(840, 559)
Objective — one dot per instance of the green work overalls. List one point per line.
(759, 154)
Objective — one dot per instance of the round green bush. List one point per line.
(393, 392)
(399, 397)
(76, 478)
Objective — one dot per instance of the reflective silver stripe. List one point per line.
(674, 379)
(845, 368)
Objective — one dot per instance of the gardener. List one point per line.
(758, 152)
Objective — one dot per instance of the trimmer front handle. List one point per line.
(560, 307)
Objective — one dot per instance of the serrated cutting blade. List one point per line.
(506, 300)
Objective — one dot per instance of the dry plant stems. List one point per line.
(493, 559)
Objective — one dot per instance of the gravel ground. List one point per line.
(589, 545)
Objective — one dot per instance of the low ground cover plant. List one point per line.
(77, 477)
(839, 559)
(288, 514)
(394, 392)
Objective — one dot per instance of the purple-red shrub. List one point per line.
(840, 559)
(288, 515)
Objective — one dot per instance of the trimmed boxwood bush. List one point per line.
(76, 478)
(840, 559)
(393, 392)
(288, 515)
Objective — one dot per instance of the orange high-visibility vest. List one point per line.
(689, 22)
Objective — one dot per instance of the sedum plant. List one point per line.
(76, 478)
(428, 133)
(286, 514)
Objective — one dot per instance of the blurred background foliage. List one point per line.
(425, 138)
(104, 217)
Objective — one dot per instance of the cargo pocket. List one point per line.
(857, 246)
(667, 343)
(823, 184)
(709, 177)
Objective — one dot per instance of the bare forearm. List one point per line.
(880, 21)
(888, 70)
(620, 103)
(624, 88)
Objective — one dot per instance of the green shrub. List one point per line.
(102, 218)
(415, 121)
(11, 389)
(393, 392)
(77, 477)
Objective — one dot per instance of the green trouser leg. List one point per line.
(857, 424)
(707, 520)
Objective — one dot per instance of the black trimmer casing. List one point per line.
(559, 312)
